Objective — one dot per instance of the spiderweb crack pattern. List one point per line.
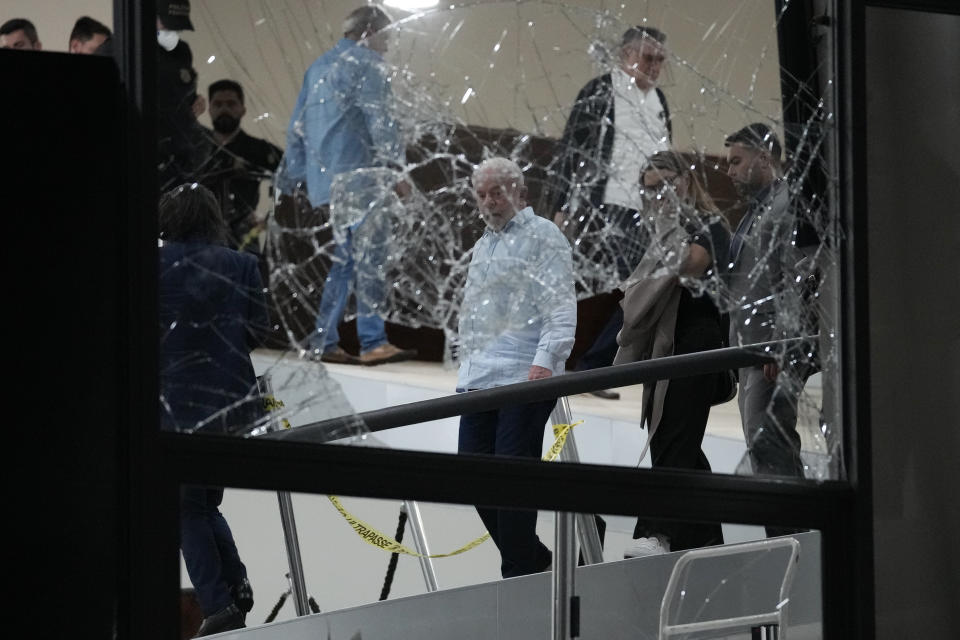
(477, 79)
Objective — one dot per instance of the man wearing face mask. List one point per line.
(235, 164)
(179, 136)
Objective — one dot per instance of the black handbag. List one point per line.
(726, 387)
(726, 380)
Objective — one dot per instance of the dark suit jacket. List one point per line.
(764, 300)
(585, 156)
(233, 172)
(212, 314)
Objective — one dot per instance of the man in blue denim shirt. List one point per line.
(341, 124)
(517, 323)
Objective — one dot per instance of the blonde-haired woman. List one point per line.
(670, 309)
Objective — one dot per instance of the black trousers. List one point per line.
(677, 442)
(209, 552)
(510, 431)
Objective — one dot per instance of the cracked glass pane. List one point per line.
(679, 149)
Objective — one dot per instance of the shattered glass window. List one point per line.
(632, 126)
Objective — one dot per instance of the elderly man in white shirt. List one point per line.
(517, 323)
(618, 121)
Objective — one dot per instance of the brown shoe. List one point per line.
(338, 356)
(386, 353)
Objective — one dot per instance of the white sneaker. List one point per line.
(647, 547)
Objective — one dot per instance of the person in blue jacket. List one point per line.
(212, 314)
(342, 126)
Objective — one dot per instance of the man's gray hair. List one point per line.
(503, 168)
(365, 19)
(638, 33)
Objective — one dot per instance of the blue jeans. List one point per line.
(370, 291)
(510, 431)
(208, 548)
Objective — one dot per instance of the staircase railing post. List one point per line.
(586, 524)
(420, 543)
(298, 587)
(565, 606)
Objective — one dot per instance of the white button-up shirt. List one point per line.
(519, 304)
(640, 130)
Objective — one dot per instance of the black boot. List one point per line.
(228, 618)
(243, 595)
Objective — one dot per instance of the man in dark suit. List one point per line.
(235, 162)
(618, 121)
(766, 303)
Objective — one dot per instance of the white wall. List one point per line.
(723, 74)
(727, 48)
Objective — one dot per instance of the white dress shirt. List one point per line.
(640, 130)
(519, 304)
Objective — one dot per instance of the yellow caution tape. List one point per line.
(383, 541)
(271, 404)
(560, 432)
(248, 238)
(380, 540)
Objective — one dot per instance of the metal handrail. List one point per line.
(565, 617)
(646, 371)
(586, 524)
